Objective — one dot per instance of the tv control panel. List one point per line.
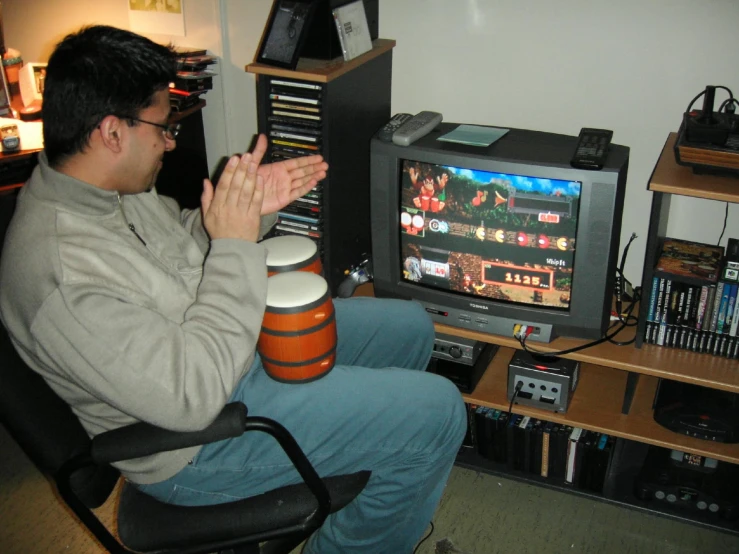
(480, 322)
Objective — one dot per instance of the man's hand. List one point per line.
(233, 209)
(287, 180)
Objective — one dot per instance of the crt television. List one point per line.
(488, 238)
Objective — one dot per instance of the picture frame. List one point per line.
(288, 25)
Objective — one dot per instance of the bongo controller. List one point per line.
(355, 276)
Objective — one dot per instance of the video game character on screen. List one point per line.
(503, 236)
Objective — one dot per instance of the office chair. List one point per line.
(53, 438)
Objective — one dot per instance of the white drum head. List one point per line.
(289, 250)
(295, 288)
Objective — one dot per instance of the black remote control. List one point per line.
(592, 148)
(385, 134)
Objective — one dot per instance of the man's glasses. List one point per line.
(171, 130)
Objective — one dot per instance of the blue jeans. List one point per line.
(404, 425)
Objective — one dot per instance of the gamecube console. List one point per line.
(546, 382)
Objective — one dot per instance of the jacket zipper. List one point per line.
(130, 225)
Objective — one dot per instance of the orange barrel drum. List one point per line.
(297, 342)
(292, 253)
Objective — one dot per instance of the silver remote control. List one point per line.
(387, 131)
(420, 125)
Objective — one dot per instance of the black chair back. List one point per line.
(36, 417)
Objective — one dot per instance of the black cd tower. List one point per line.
(330, 107)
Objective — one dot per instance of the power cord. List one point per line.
(519, 386)
(625, 317)
(607, 337)
(729, 102)
(621, 278)
(424, 538)
(726, 218)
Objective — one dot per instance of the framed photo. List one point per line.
(287, 27)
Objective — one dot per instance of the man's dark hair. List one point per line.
(96, 72)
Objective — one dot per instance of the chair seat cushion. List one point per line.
(146, 524)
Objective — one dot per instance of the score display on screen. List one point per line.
(499, 274)
(504, 236)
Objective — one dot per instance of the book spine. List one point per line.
(730, 309)
(735, 319)
(572, 455)
(545, 437)
(701, 307)
(706, 323)
(652, 312)
(663, 312)
(673, 301)
(716, 306)
(470, 436)
(653, 298)
(723, 306)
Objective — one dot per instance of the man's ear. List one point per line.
(112, 132)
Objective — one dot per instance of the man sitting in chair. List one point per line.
(134, 310)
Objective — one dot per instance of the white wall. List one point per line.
(627, 65)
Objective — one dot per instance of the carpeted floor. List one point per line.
(478, 514)
(486, 514)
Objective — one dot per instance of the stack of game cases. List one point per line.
(194, 77)
(562, 454)
(295, 128)
(693, 297)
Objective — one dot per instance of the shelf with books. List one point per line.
(670, 179)
(689, 306)
(596, 405)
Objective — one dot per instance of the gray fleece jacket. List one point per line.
(125, 331)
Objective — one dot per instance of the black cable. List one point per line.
(604, 338)
(518, 388)
(424, 538)
(701, 93)
(621, 278)
(726, 218)
(728, 105)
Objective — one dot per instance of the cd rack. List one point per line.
(294, 128)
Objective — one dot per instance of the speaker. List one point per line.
(322, 42)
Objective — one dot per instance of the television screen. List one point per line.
(486, 234)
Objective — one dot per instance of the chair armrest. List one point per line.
(143, 439)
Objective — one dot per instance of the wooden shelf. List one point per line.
(669, 177)
(596, 405)
(658, 361)
(322, 71)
